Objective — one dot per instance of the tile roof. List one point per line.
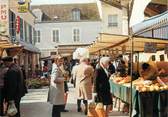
(63, 12)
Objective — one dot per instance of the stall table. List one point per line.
(145, 104)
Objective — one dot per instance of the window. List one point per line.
(53, 53)
(55, 35)
(37, 36)
(162, 57)
(76, 14)
(30, 34)
(153, 58)
(25, 31)
(112, 21)
(21, 29)
(76, 35)
(12, 30)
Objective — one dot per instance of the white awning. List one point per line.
(151, 23)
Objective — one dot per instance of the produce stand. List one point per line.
(145, 104)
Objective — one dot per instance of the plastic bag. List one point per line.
(12, 110)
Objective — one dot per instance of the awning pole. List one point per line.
(132, 62)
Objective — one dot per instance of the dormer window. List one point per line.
(76, 14)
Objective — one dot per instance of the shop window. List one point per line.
(162, 57)
(112, 20)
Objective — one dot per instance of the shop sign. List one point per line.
(166, 49)
(150, 47)
(4, 17)
(17, 24)
(23, 6)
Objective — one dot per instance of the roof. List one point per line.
(88, 11)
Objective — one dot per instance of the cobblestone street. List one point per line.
(34, 104)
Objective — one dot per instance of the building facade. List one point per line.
(20, 31)
(60, 25)
(76, 25)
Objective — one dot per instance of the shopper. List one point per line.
(56, 90)
(102, 85)
(13, 83)
(84, 75)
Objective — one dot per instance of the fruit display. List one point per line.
(35, 83)
(122, 80)
(142, 85)
(153, 87)
(148, 85)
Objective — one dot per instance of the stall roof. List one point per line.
(120, 42)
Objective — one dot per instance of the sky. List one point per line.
(39, 2)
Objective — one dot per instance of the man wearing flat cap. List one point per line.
(13, 83)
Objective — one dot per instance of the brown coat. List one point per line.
(84, 75)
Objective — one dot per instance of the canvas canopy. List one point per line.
(123, 43)
(5, 44)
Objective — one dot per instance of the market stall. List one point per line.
(139, 96)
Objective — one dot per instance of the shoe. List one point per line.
(65, 110)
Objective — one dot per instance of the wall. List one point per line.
(89, 32)
(110, 10)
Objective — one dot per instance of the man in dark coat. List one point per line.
(102, 85)
(13, 83)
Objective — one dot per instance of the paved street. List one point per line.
(34, 104)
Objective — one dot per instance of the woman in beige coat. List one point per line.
(84, 75)
(56, 91)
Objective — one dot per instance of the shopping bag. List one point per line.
(91, 110)
(100, 110)
(12, 110)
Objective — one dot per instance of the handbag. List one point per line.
(12, 110)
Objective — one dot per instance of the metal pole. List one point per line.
(132, 61)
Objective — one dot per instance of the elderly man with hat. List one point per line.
(13, 83)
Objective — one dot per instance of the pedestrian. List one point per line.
(102, 85)
(3, 70)
(56, 90)
(13, 83)
(73, 73)
(84, 75)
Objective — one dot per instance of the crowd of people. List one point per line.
(90, 79)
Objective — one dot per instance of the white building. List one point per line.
(60, 26)
(64, 27)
